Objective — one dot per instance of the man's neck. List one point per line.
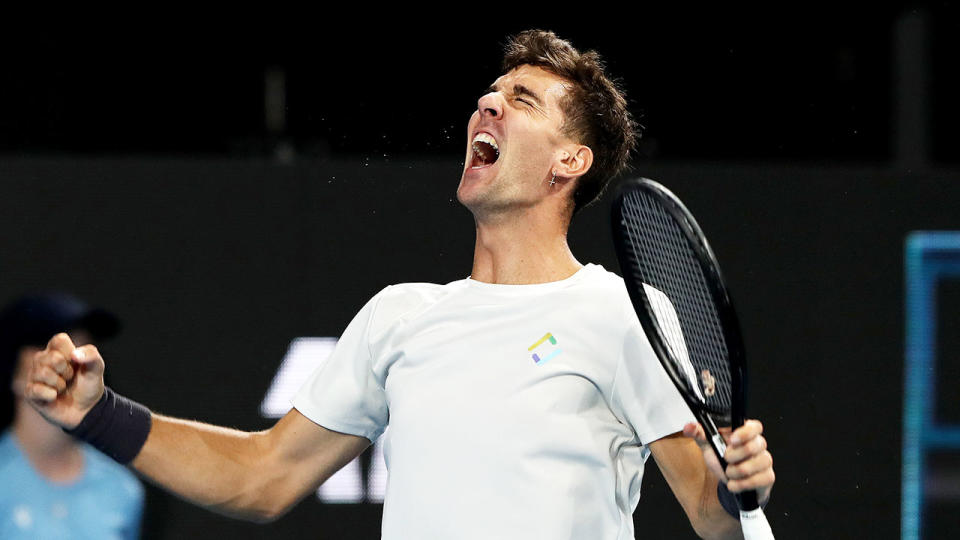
(522, 249)
(53, 454)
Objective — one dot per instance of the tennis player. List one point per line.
(522, 402)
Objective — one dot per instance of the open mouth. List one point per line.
(485, 151)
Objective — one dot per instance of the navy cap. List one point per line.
(34, 319)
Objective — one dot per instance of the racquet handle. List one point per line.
(754, 525)
(753, 522)
(747, 500)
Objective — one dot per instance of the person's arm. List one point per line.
(256, 476)
(692, 472)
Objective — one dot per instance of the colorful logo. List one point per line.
(537, 358)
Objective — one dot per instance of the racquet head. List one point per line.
(683, 305)
(681, 300)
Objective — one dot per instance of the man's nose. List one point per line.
(490, 106)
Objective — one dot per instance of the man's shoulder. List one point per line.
(421, 289)
(414, 293)
(604, 284)
(403, 300)
(600, 276)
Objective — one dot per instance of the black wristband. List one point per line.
(729, 501)
(116, 426)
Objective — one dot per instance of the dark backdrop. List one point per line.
(216, 265)
(139, 170)
(809, 82)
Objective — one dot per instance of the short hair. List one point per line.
(595, 109)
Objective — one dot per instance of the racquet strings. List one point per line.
(665, 266)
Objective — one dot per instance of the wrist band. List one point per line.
(116, 426)
(729, 501)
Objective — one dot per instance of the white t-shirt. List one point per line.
(515, 411)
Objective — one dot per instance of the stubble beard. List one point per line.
(496, 202)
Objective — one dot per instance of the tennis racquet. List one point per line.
(679, 295)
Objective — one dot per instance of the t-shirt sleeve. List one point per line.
(343, 394)
(643, 394)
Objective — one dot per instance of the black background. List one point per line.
(137, 172)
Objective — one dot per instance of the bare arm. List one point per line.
(692, 470)
(256, 476)
(695, 487)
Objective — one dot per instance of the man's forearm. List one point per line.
(256, 476)
(218, 468)
(713, 521)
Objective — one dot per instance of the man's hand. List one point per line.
(749, 463)
(64, 381)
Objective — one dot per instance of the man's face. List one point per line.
(513, 140)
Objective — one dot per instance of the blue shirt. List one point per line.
(105, 502)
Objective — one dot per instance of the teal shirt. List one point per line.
(105, 502)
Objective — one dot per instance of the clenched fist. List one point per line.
(64, 381)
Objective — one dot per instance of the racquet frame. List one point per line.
(723, 304)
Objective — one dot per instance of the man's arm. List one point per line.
(692, 471)
(256, 476)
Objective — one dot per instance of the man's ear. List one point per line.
(575, 162)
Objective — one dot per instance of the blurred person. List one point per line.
(547, 449)
(55, 486)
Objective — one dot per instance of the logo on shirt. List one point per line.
(537, 359)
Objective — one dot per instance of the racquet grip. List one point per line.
(747, 500)
(754, 525)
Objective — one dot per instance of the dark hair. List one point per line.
(595, 108)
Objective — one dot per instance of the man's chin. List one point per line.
(464, 195)
(473, 199)
(469, 187)
(481, 191)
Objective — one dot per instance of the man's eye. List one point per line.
(525, 102)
